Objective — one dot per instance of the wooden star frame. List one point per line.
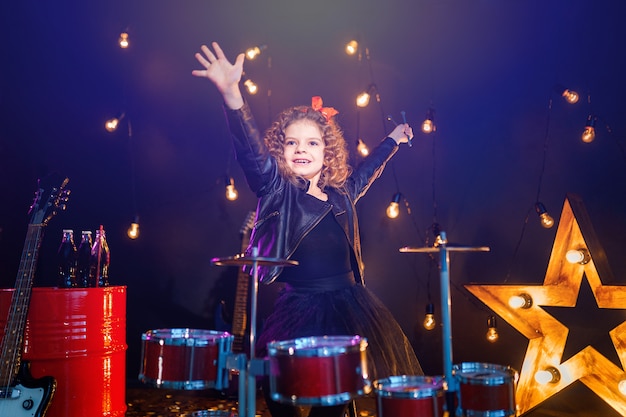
(546, 335)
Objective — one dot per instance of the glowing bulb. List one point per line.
(521, 301)
(578, 256)
(123, 40)
(363, 99)
(621, 386)
(427, 126)
(589, 134)
(393, 210)
(231, 192)
(570, 96)
(362, 148)
(251, 86)
(546, 220)
(133, 230)
(492, 331)
(429, 319)
(550, 375)
(352, 47)
(111, 124)
(255, 51)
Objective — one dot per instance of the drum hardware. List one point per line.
(446, 306)
(248, 371)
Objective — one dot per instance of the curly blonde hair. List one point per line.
(335, 170)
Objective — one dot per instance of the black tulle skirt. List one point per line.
(353, 310)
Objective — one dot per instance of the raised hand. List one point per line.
(224, 74)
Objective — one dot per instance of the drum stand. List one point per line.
(249, 370)
(446, 306)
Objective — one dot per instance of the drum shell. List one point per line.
(318, 371)
(77, 336)
(486, 390)
(406, 395)
(183, 358)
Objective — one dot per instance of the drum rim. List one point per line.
(290, 347)
(484, 373)
(425, 391)
(184, 336)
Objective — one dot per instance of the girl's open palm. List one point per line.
(218, 69)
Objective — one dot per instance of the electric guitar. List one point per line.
(22, 395)
(240, 314)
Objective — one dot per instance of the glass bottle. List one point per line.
(84, 259)
(66, 256)
(100, 259)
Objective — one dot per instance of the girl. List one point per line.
(306, 212)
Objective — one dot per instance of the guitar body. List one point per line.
(28, 397)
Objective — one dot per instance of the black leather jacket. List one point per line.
(284, 211)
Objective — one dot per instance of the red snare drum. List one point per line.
(405, 395)
(187, 359)
(318, 371)
(486, 390)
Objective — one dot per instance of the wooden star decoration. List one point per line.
(546, 335)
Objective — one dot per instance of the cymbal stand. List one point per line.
(446, 307)
(446, 320)
(249, 370)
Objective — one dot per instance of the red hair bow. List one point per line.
(328, 112)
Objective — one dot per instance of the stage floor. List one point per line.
(145, 401)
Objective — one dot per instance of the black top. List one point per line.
(323, 257)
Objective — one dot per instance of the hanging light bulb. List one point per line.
(363, 99)
(522, 300)
(251, 86)
(621, 386)
(352, 47)
(231, 192)
(362, 148)
(492, 331)
(570, 96)
(252, 53)
(589, 134)
(578, 256)
(429, 319)
(428, 125)
(549, 375)
(393, 210)
(123, 40)
(546, 220)
(111, 124)
(133, 230)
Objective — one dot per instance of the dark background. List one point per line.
(504, 139)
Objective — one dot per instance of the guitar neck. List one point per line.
(16, 320)
(240, 314)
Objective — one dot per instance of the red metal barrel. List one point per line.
(77, 336)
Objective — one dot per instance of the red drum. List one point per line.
(318, 371)
(188, 359)
(405, 395)
(486, 390)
